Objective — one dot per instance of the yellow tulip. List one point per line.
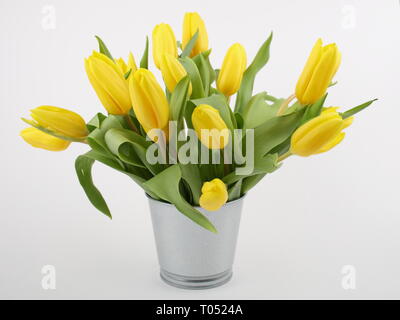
(39, 139)
(318, 72)
(149, 101)
(172, 72)
(192, 23)
(107, 79)
(214, 195)
(233, 67)
(125, 68)
(61, 122)
(319, 134)
(210, 127)
(164, 42)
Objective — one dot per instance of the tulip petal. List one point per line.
(107, 101)
(39, 139)
(306, 75)
(322, 76)
(332, 143)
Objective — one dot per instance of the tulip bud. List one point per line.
(192, 23)
(149, 101)
(107, 79)
(319, 134)
(61, 122)
(164, 42)
(214, 195)
(210, 127)
(318, 72)
(233, 67)
(125, 68)
(172, 72)
(39, 139)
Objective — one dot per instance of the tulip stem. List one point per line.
(284, 156)
(285, 105)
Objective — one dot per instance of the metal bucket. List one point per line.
(191, 257)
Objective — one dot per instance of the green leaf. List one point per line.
(239, 120)
(250, 182)
(166, 186)
(96, 121)
(235, 191)
(204, 73)
(357, 109)
(144, 62)
(257, 111)
(275, 131)
(126, 75)
(246, 88)
(262, 165)
(314, 110)
(191, 174)
(179, 98)
(206, 70)
(190, 45)
(96, 137)
(83, 167)
(195, 78)
(103, 48)
(130, 148)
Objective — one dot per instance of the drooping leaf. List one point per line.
(166, 186)
(144, 62)
(357, 109)
(246, 87)
(83, 167)
(103, 48)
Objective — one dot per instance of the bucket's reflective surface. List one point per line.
(191, 257)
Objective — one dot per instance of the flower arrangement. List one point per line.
(189, 144)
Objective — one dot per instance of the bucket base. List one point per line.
(196, 283)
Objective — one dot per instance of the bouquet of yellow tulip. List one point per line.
(147, 132)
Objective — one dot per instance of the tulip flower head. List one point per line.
(61, 122)
(318, 72)
(192, 23)
(39, 139)
(214, 195)
(319, 134)
(149, 101)
(233, 67)
(210, 127)
(164, 42)
(108, 80)
(172, 72)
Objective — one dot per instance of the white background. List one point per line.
(300, 225)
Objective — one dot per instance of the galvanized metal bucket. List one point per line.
(191, 257)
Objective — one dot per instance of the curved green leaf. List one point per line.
(83, 167)
(166, 186)
(246, 87)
